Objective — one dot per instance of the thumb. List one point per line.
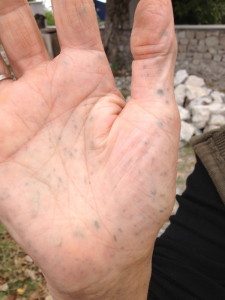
(154, 48)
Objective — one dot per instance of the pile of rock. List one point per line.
(201, 109)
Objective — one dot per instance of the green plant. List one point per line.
(199, 11)
(50, 18)
(15, 270)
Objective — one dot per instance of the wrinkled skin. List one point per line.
(86, 180)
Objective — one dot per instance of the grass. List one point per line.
(18, 275)
(23, 279)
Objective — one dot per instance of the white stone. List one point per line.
(218, 97)
(200, 35)
(217, 108)
(200, 116)
(4, 287)
(180, 94)
(180, 77)
(181, 34)
(193, 92)
(217, 58)
(187, 131)
(201, 46)
(208, 56)
(28, 259)
(222, 42)
(200, 101)
(30, 274)
(198, 131)
(183, 41)
(195, 81)
(48, 297)
(5, 58)
(212, 51)
(184, 113)
(212, 41)
(217, 120)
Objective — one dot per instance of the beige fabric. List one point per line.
(210, 148)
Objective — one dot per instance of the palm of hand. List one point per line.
(93, 179)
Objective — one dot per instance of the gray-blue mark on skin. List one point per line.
(4, 195)
(68, 153)
(82, 10)
(115, 238)
(160, 124)
(153, 193)
(164, 33)
(146, 142)
(164, 174)
(160, 92)
(60, 182)
(96, 224)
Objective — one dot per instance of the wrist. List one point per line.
(130, 284)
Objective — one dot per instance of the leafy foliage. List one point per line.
(50, 18)
(20, 275)
(199, 11)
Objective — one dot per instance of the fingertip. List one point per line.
(153, 32)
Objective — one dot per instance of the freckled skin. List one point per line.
(160, 92)
(86, 179)
(97, 225)
(160, 124)
(4, 195)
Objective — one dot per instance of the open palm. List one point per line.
(87, 180)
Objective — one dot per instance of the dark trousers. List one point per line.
(189, 258)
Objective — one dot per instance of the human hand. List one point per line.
(86, 180)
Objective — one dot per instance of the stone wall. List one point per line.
(201, 51)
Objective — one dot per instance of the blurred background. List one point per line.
(199, 90)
